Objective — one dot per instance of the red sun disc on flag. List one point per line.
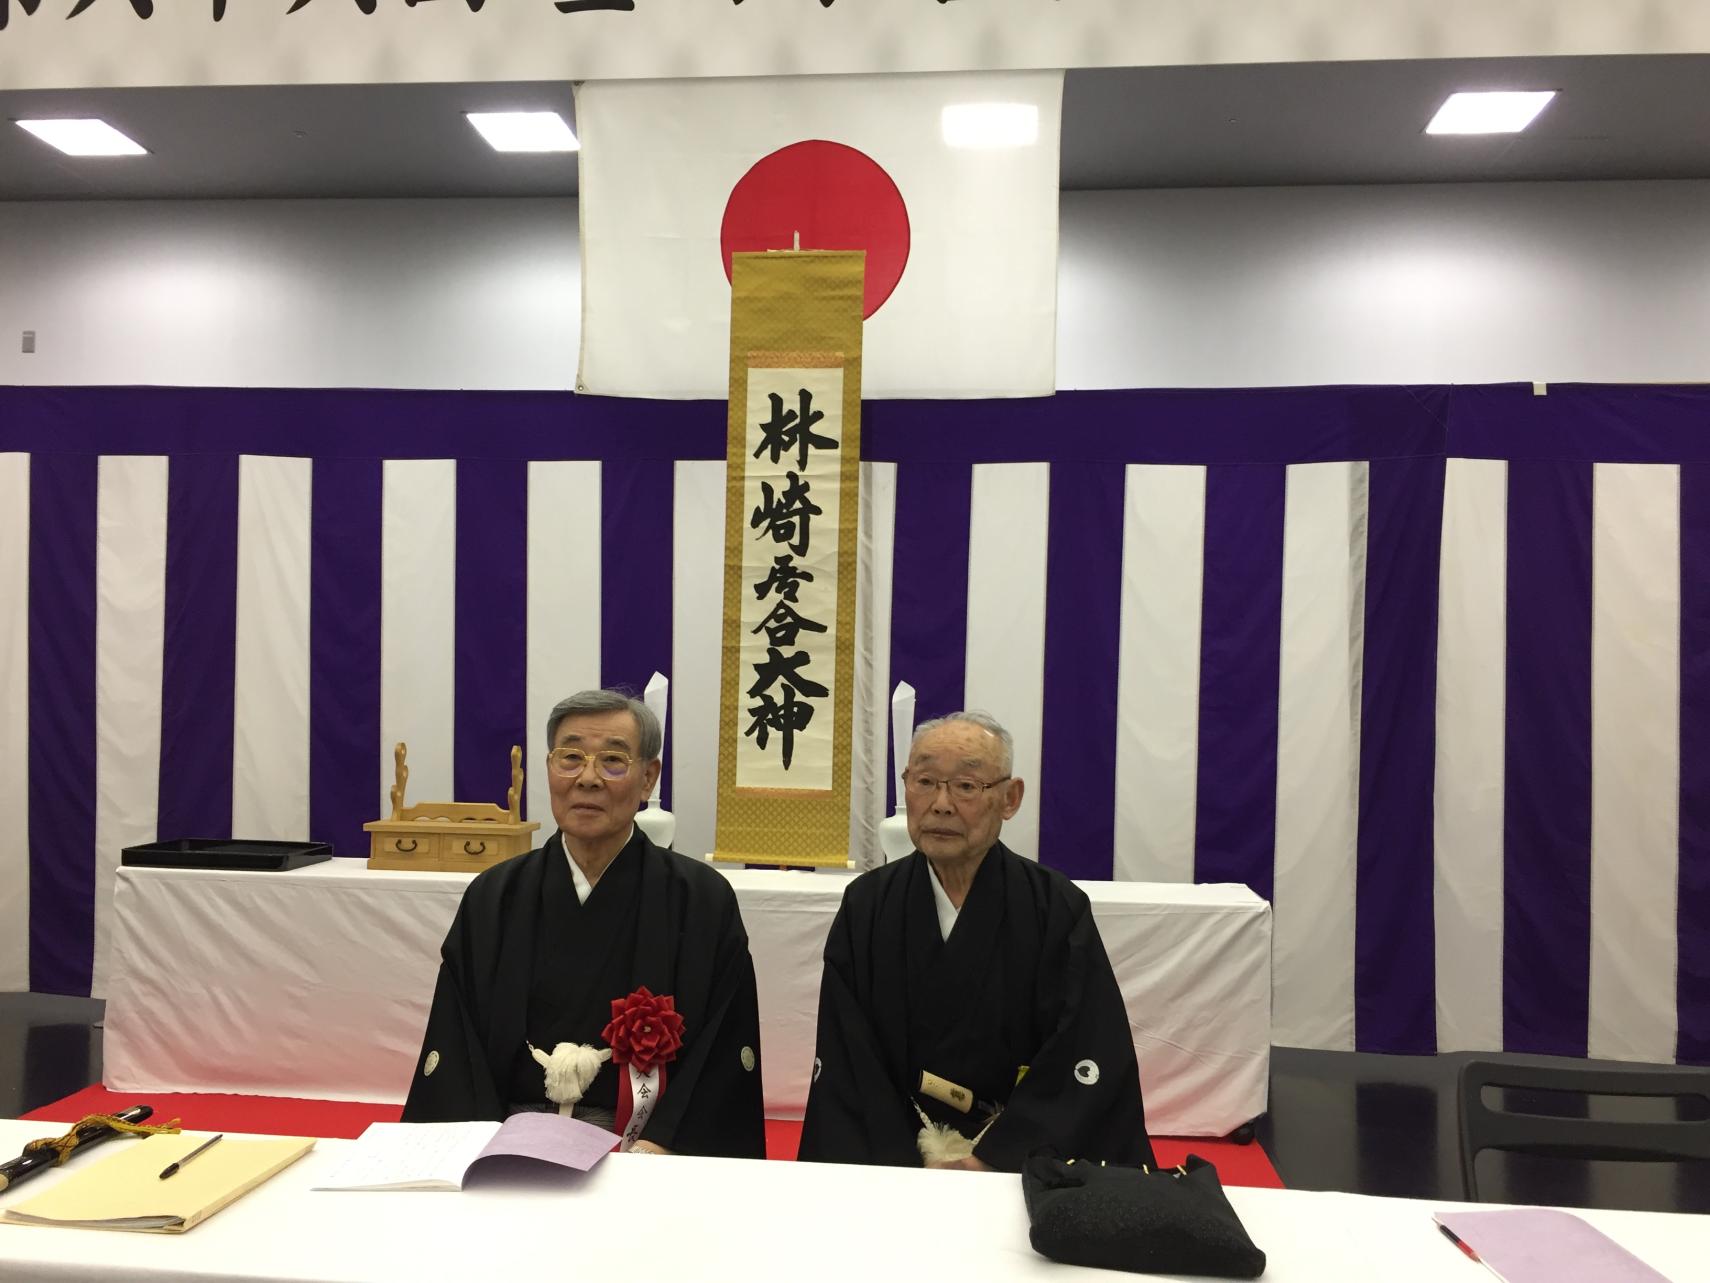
(833, 197)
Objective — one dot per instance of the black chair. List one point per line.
(1586, 1138)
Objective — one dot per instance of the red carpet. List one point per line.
(290, 1116)
(270, 1115)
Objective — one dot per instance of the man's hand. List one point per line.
(968, 1164)
(647, 1147)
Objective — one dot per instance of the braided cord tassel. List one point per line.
(64, 1145)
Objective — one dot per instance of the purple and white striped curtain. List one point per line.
(1428, 667)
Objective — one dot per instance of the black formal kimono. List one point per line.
(1019, 1006)
(524, 963)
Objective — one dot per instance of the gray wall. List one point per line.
(1200, 288)
(1463, 283)
(407, 294)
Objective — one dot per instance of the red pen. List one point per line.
(1460, 1243)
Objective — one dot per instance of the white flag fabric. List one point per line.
(974, 310)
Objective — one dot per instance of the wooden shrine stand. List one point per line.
(453, 837)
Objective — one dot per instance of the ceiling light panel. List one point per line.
(83, 137)
(1500, 112)
(536, 131)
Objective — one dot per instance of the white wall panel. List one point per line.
(564, 501)
(418, 575)
(1635, 760)
(270, 742)
(1472, 649)
(130, 631)
(697, 651)
(15, 725)
(872, 703)
(1318, 754)
(1157, 689)
(1008, 530)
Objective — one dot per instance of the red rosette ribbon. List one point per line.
(645, 1030)
(645, 1033)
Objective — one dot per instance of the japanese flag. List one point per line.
(957, 213)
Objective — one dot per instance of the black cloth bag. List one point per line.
(1174, 1221)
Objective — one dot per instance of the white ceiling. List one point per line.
(1135, 127)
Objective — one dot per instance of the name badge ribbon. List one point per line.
(645, 1034)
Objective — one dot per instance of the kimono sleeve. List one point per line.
(1081, 1093)
(713, 1103)
(856, 1112)
(453, 1081)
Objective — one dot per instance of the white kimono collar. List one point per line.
(946, 911)
(585, 888)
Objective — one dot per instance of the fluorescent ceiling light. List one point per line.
(1488, 113)
(83, 137)
(991, 124)
(524, 130)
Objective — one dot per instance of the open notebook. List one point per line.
(440, 1155)
(123, 1191)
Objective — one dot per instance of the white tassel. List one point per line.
(941, 1144)
(570, 1069)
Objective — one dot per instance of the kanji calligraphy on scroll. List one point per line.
(792, 479)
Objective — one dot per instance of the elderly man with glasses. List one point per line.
(540, 1003)
(967, 1011)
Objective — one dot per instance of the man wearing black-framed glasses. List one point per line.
(547, 946)
(968, 1013)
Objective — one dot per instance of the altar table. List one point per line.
(316, 983)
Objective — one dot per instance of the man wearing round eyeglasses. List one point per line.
(547, 946)
(968, 1013)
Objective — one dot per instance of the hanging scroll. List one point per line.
(790, 555)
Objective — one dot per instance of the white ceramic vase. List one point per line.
(894, 840)
(658, 823)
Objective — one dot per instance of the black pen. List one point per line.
(1459, 1242)
(32, 1161)
(172, 1168)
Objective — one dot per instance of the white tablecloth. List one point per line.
(636, 1218)
(316, 983)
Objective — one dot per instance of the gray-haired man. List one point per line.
(548, 946)
(967, 1011)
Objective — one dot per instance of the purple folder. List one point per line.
(1545, 1245)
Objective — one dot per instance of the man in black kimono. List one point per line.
(544, 943)
(967, 1011)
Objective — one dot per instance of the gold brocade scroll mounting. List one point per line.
(793, 480)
